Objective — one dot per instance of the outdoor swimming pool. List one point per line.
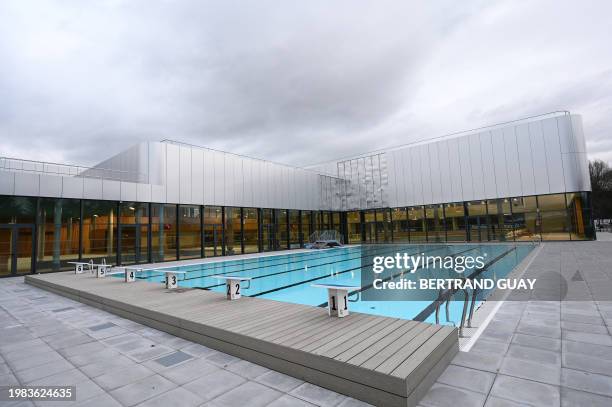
(288, 277)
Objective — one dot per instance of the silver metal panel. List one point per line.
(416, 197)
(7, 182)
(499, 161)
(433, 161)
(219, 178)
(27, 184)
(111, 190)
(92, 188)
(571, 171)
(476, 166)
(209, 178)
(488, 166)
(583, 164)
(158, 193)
(392, 189)
(512, 161)
(173, 173)
(455, 170)
(197, 176)
(467, 186)
(51, 186)
(143, 193)
(572, 177)
(74, 187)
(185, 170)
(257, 186)
(247, 183)
(553, 153)
(540, 158)
(566, 137)
(228, 180)
(128, 191)
(423, 152)
(445, 174)
(525, 161)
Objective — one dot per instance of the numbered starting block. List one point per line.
(337, 298)
(79, 267)
(172, 278)
(233, 285)
(130, 274)
(102, 269)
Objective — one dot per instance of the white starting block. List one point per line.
(130, 273)
(337, 298)
(171, 278)
(79, 266)
(102, 268)
(232, 283)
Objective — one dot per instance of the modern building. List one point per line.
(161, 201)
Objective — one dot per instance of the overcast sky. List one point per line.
(292, 81)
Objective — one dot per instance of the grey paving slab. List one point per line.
(279, 381)
(144, 389)
(214, 384)
(441, 395)
(526, 391)
(289, 401)
(189, 371)
(247, 369)
(589, 382)
(531, 370)
(178, 397)
(249, 393)
(466, 378)
(122, 376)
(575, 398)
(317, 395)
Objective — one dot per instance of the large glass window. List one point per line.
(553, 215)
(233, 231)
(190, 235)
(250, 228)
(416, 222)
(383, 225)
(294, 229)
(283, 228)
(100, 231)
(17, 219)
(525, 218)
(269, 230)
(579, 211)
(353, 220)
(477, 221)
(134, 232)
(213, 231)
(399, 222)
(434, 216)
(163, 231)
(307, 226)
(370, 226)
(455, 222)
(500, 220)
(58, 234)
(17, 209)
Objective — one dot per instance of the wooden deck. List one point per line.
(382, 361)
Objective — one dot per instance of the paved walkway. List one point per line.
(537, 353)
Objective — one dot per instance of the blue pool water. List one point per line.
(288, 277)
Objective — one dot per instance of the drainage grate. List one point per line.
(173, 358)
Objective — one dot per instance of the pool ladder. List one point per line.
(445, 297)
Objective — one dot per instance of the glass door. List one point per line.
(213, 238)
(16, 249)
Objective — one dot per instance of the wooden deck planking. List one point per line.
(373, 358)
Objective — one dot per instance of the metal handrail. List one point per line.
(45, 167)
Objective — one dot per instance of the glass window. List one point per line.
(370, 226)
(416, 223)
(163, 231)
(250, 227)
(233, 231)
(579, 210)
(294, 229)
(17, 209)
(268, 230)
(477, 221)
(213, 231)
(307, 223)
(500, 220)
(399, 222)
(190, 235)
(58, 234)
(100, 231)
(354, 227)
(134, 232)
(454, 214)
(525, 218)
(434, 217)
(383, 225)
(555, 224)
(283, 228)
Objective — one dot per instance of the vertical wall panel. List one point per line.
(553, 152)
(571, 172)
(219, 177)
(423, 152)
(446, 180)
(488, 167)
(540, 158)
(512, 161)
(173, 163)
(455, 170)
(525, 163)
(185, 174)
(197, 176)
(476, 166)
(467, 186)
(499, 161)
